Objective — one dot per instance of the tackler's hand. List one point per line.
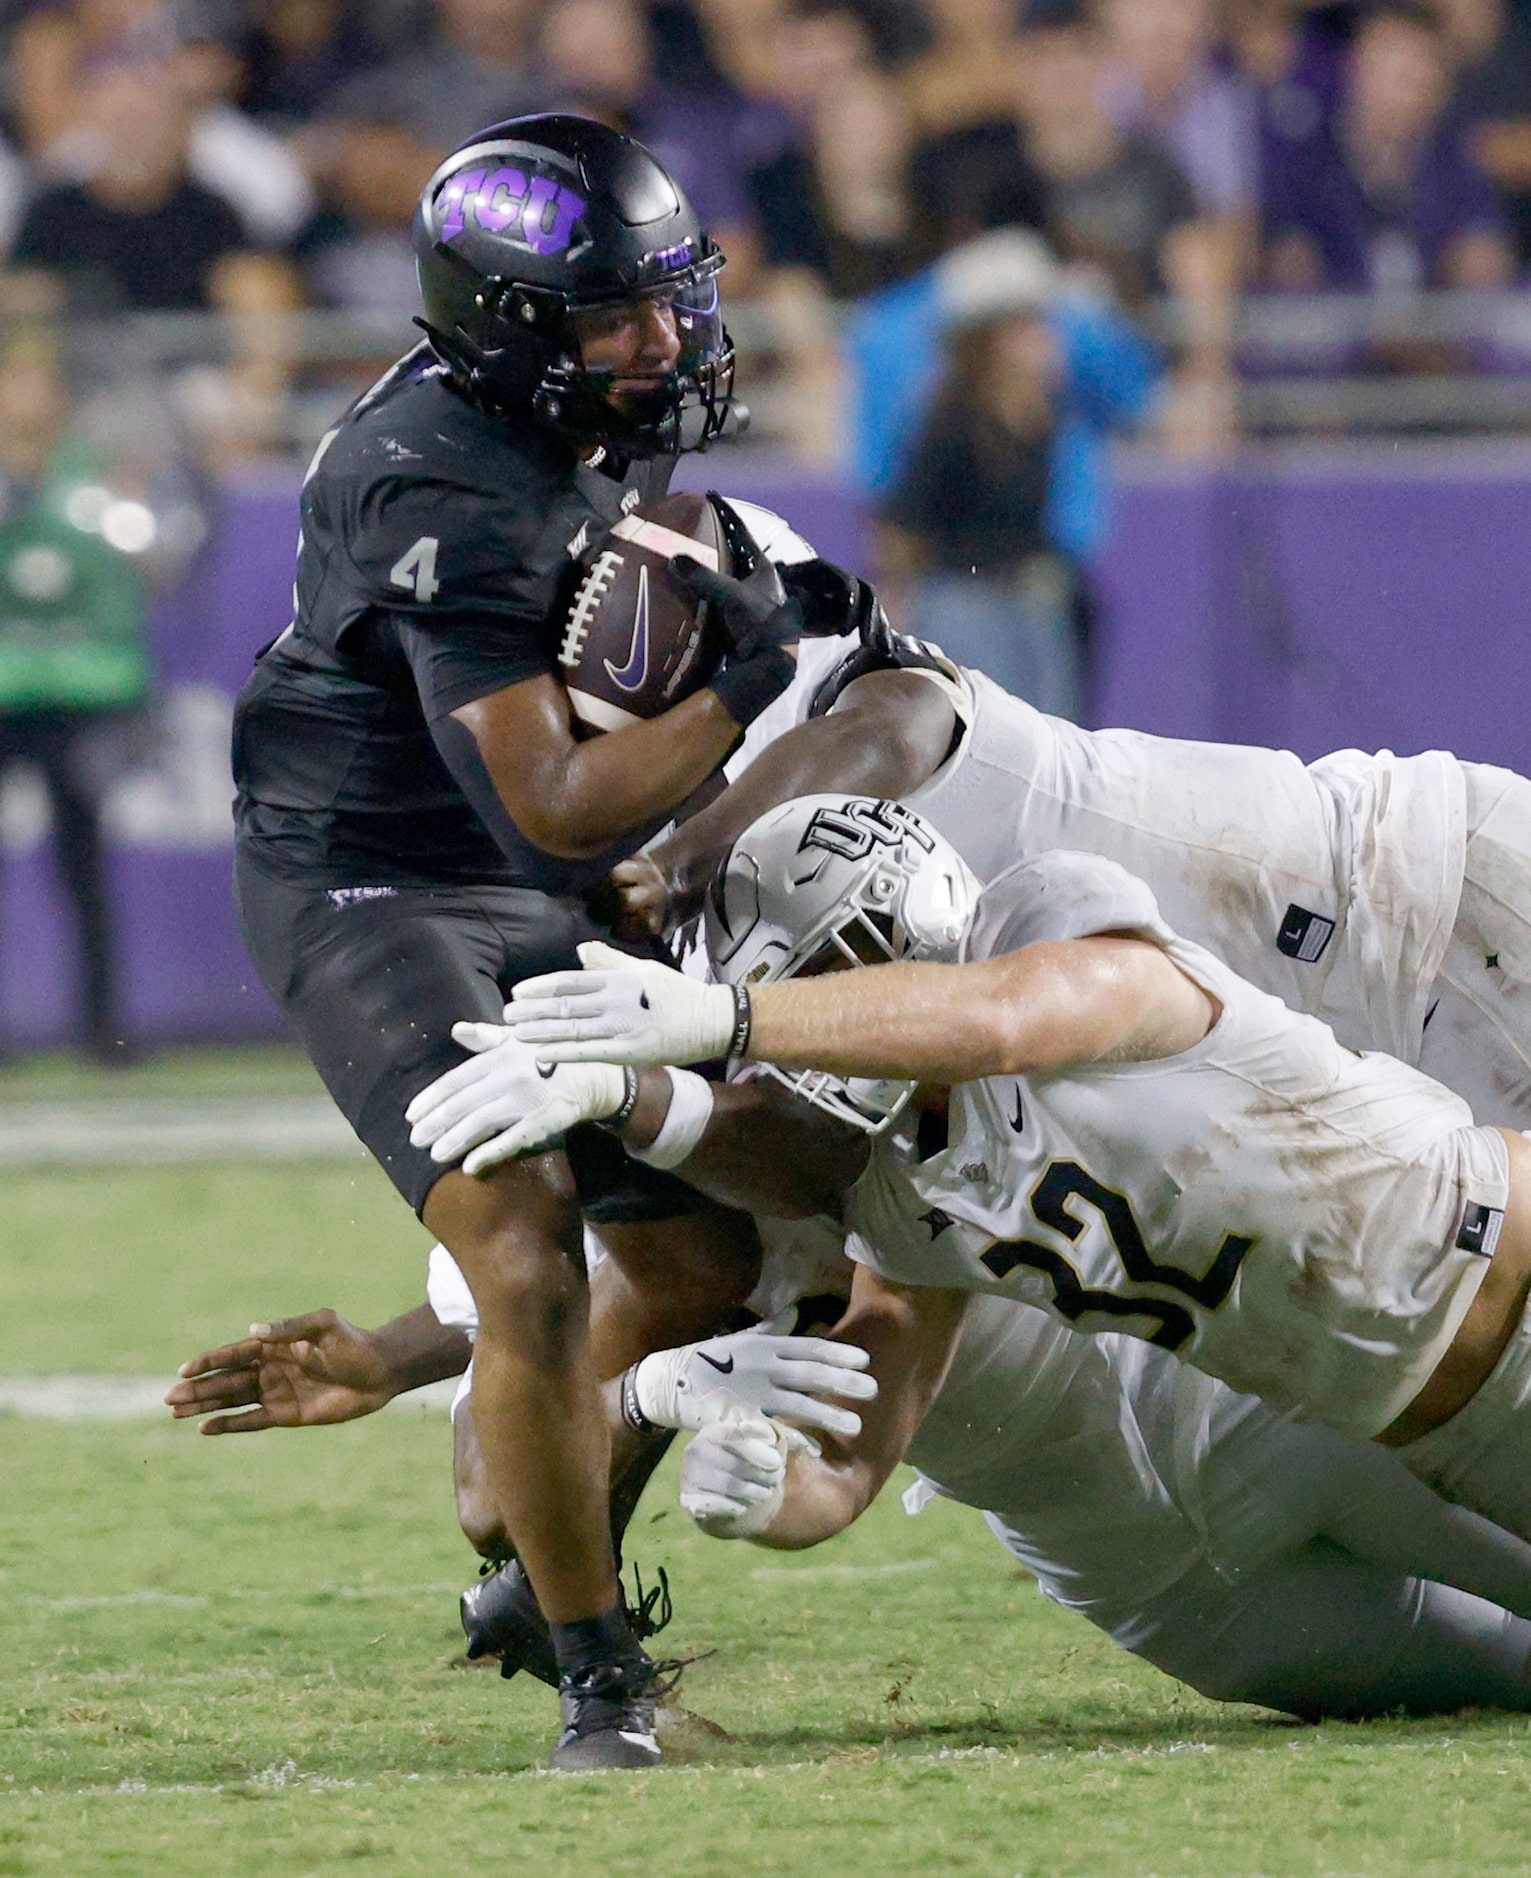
(624, 1010)
(760, 620)
(733, 1475)
(504, 1102)
(805, 1379)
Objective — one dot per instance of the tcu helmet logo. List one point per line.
(534, 209)
(851, 829)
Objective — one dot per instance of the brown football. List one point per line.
(631, 646)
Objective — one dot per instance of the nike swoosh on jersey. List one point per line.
(1018, 1119)
(630, 676)
(723, 1369)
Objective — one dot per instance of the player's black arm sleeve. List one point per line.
(888, 733)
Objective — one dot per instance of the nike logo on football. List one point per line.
(1018, 1119)
(630, 676)
(723, 1369)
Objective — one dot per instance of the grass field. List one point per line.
(243, 1655)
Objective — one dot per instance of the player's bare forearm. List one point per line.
(314, 1370)
(417, 1349)
(887, 735)
(909, 1333)
(762, 1152)
(575, 799)
(1047, 1007)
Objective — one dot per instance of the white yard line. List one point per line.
(138, 1398)
(155, 1132)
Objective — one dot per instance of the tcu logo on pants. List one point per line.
(853, 828)
(533, 209)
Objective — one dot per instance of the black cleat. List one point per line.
(608, 1717)
(501, 1617)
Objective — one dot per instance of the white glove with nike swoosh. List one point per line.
(502, 1102)
(733, 1475)
(622, 1010)
(751, 1371)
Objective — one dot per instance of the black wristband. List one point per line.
(744, 1017)
(746, 688)
(631, 1413)
(615, 1123)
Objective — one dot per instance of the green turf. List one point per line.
(130, 1270)
(182, 1074)
(242, 1656)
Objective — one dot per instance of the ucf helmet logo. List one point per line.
(852, 829)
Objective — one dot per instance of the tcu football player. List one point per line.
(1134, 1138)
(416, 812)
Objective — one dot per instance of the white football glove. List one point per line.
(502, 1102)
(622, 1010)
(733, 1475)
(751, 1371)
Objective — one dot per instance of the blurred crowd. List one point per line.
(262, 157)
(969, 241)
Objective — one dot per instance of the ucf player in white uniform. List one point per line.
(1390, 896)
(1137, 1139)
(1256, 1559)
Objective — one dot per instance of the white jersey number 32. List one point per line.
(1067, 1180)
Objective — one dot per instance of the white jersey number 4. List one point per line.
(1067, 1180)
(416, 570)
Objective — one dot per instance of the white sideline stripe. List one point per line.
(150, 1133)
(136, 1398)
(179, 1600)
(800, 1574)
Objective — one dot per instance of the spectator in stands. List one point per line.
(1491, 41)
(298, 55)
(968, 74)
(597, 57)
(474, 68)
(737, 38)
(73, 659)
(138, 232)
(1107, 380)
(1164, 83)
(245, 162)
(967, 522)
(58, 50)
(67, 55)
(833, 200)
(1111, 201)
(1389, 198)
(384, 130)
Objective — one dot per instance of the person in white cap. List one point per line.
(969, 521)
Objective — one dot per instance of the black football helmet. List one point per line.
(539, 218)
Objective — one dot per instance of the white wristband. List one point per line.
(685, 1121)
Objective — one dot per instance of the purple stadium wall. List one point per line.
(1312, 598)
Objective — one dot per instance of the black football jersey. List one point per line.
(439, 547)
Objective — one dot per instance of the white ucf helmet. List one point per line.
(827, 882)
